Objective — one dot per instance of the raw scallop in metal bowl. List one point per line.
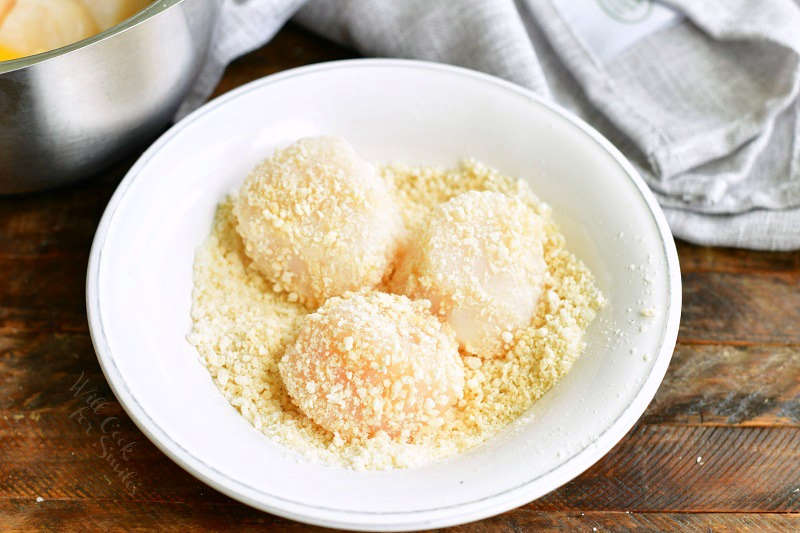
(67, 113)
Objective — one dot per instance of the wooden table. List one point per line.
(719, 448)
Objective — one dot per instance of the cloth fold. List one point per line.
(701, 96)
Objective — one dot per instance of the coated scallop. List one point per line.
(371, 362)
(479, 260)
(317, 220)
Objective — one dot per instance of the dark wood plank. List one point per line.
(56, 222)
(27, 515)
(15, 321)
(707, 259)
(745, 309)
(61, 358)
(730, 385)
(655, 468)
(524, 519)
(111, 515)
(44, 282)
(690, 469)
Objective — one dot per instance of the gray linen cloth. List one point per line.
(701, 95)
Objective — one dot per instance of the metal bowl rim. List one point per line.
(143, 15)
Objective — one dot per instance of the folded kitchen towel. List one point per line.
(701, 96)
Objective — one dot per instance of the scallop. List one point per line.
(35, 26)
(5, 7)
(6, 52)
(374, 362)
(108, 13)
(479, 260)
(317, 220)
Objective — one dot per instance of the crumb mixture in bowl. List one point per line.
(242, 328)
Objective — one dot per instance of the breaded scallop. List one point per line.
(479, 260)
(370, 362)
(317, 220)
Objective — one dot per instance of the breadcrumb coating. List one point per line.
(241, 328)
(370, 362)
(478, 258)
(308, 211)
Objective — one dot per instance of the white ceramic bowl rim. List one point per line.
(514, 496)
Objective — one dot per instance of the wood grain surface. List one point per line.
(717, 450)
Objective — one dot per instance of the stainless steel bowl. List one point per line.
(66, 114)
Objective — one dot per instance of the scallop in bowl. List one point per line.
(85, 82)
(140, 283)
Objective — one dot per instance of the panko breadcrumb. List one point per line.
(479, 260)
(306, 213)
(242, 327)
(370, 362)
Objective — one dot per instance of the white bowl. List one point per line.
(139, 286)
